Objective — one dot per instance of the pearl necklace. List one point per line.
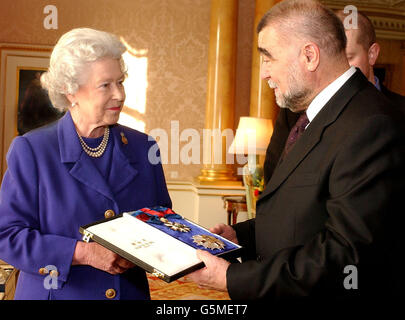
(98, 151)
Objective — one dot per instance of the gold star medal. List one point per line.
(208, 242)
(175, 225)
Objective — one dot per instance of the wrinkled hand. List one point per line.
(213, 275)
(97, 256)
(225, 231)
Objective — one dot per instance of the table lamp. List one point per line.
(251, 139)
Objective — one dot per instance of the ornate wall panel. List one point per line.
(172, 34)
(388, 16)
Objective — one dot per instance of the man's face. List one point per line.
(356, 54)
(281, 69)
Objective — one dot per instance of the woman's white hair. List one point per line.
(70, 56)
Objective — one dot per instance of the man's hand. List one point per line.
(213, 275)
(225, 231)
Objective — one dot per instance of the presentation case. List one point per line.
(158, 240)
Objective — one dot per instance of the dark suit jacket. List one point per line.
(331, 203)
(398, 101)
(286, 120)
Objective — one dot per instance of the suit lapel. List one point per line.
(313, 134)
(83, 170)
(122, 172)
(87, 173)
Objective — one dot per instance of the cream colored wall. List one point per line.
(173, 33)
(174, 37)
(203, 204)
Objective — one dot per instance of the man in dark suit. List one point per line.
(362, 51)
(326, 224)
(397, 100)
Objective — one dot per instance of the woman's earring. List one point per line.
(74, 104)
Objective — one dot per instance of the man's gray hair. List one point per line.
(70, 57)
(308, 20)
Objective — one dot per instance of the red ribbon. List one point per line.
(159, 214)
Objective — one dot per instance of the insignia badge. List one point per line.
(123, 138)
(175, 225)
(208, 242)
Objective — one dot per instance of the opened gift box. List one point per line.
(159, 241)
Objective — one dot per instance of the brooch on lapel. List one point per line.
(123, 138)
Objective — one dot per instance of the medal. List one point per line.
(208, 242)
(175, 225)
(159, 215)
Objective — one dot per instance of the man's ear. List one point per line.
(373, 53)
(311, 56)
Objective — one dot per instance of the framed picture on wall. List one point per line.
(23, 103)
(34, 107)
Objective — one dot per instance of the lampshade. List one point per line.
(252, 136)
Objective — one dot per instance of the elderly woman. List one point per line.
(78, 170)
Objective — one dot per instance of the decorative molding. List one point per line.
(25, 47)
(389, 27)
(387, 16)
(392, 6)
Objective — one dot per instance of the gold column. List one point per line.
(220, 90)
(262, 100)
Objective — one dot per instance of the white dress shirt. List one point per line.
(326, 94)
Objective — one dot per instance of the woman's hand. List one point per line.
(225, 231)
(97, 256)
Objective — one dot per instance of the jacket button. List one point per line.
(109, 213)
(54, 273)
(43, 271)
(110, 293)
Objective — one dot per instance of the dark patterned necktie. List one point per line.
(295, 133)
